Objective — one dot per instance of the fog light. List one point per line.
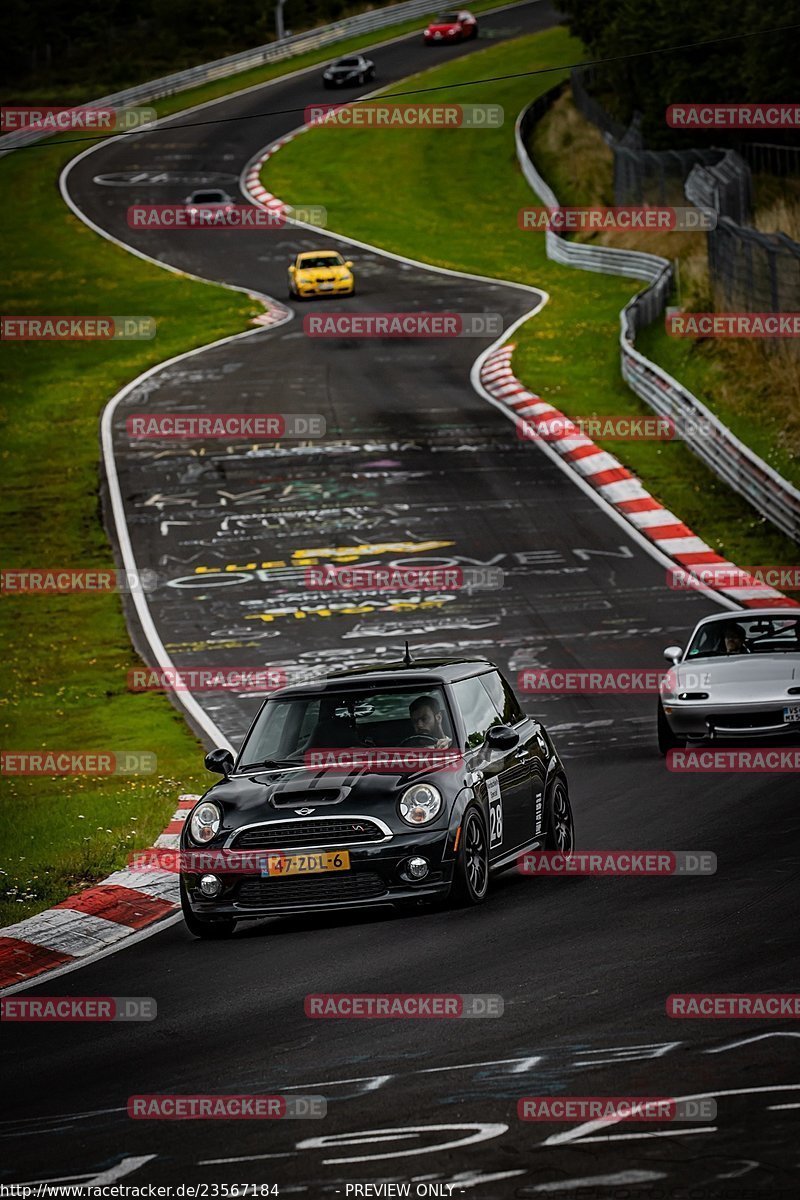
(417, 868)
(210, 885)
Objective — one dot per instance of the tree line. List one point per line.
(757, 67)
(108, 44)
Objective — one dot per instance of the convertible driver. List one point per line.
(735, 641)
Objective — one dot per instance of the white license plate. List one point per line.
(326, 287)
(791, 712)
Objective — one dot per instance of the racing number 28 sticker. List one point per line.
(495, 811)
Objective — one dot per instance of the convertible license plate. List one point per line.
(791, 712)
(307, 864)
(326, 287)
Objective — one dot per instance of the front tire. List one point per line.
(666, 738)
(560, 822)
(213, 928)
(471, 878)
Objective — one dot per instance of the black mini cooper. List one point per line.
(378, 786)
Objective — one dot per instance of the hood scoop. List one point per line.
(306, 795)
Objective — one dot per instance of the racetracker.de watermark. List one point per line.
(77, 329)
(407, 1006)
(402, 579)
(233, 426)
(614, 1108)
(204, 1107)
(210, 679)
(77, 762)
(150, 218)
(707, 577)
(198, 862)
(748, 761)
(618, 862)
(78, 1008)
(609, 429)
(389, 760)
(595, 218)
(384, 115)
(734, 1004)
(50, 580)
(733, 324)
(50, 119)
(615, 681)
(402, 325)
(733, 116)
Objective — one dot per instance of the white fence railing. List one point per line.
(245, 60)
(713, 443)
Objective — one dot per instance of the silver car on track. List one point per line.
(739, 677)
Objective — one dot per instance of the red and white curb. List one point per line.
(255, 190)
(252, 177)
(617, 485)
(102, 915)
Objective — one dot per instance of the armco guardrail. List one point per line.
(245, 60)
(713, 443)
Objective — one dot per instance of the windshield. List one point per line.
(754, 635)
(209, 198)
(320, 260)
(347, 62)
(447, 19)
(287, 729)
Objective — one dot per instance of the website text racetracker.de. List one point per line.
(237, 1191)
(406, 115)
(145, 1191)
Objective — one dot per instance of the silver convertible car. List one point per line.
(738, 677)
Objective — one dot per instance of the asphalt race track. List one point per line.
(417, 466)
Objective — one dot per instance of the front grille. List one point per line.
(315, 889)
(773, 716)
(307, 833)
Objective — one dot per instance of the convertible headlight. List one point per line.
(204, 822)
(420, 804)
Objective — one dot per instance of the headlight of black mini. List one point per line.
(204, 822)
(420, 804)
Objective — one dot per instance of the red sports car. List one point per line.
(452, 27)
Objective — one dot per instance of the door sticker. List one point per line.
(539, 809)
(495, 811)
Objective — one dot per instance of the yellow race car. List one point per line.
(320, 273)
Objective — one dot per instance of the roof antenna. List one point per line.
(407, 657)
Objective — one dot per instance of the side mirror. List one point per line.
(220, 762)
(673, 654)
(502, 737)
(292, 269)
(348, 264)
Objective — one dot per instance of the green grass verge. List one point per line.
(67, 656)
(457, 207)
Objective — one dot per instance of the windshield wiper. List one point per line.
(267, 763)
